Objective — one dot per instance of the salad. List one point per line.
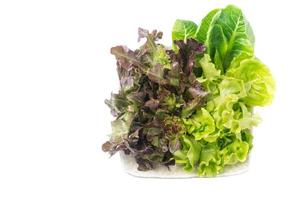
(192, 104)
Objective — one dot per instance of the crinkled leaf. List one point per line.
(117, 104)
(190, 154)
(192, 105)
(157, 87)
(258, 81)
(187, 52)
(232, 86)
(208, 67)
(121, 126)
(210, 162)
(235, 152)
(201, 125)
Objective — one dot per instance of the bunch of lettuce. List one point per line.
(191, 105)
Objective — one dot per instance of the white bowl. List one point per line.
(130, 166)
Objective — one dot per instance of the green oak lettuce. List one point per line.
(189, 155)
(202, 126)
(235, 81)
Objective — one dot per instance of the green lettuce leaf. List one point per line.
(223, 110)
(201, 125)
(195, 156)
(232, 86)
(231, 114)
(210, 161)
(231, 37)
(121, 126)
(189, 155)
(183, 30)
(206, 25)
(235, 152)
(242, 120)
(258, 81)
(209, 69)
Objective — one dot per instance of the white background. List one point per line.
(56, 71)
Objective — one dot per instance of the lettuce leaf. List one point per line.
(183, 30)
(235, 152)
(195, 156)
(201, 125)
(206, 25)
(210, 162)
(189, 155)
(230, 37)
(258, 81)
(209, 69)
